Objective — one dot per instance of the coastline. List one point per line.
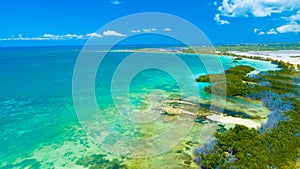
(290, 57)
(287, 56)
(223, 119)
(183, 153)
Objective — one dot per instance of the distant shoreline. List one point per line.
(290, 57)
(286, 56)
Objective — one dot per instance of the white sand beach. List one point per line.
(234, 120)
(288, 56)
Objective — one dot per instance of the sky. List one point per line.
(72, 22)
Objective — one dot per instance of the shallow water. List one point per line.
(38, 123)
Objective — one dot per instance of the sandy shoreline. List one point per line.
(287, 56)
(234, 120)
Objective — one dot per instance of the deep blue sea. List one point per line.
(38, 124)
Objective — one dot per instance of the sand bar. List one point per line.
(233, 120)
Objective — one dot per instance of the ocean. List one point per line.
(38, 123)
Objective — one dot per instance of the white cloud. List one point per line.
(215, 3)
(256, 30)
(115, 2)
(147, 30)
(46, 35)
(144, 30)
(136, 31)
(69, 36)
(220, 21)
(34, 38)
(20, 38)
(287, 9)
(290, 27)
(257, 8)
(94, 35)
(295, 17)
(112, 33)
(167, 29)
(272, 32)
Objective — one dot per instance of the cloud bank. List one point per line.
(112, 33)
(93, 35)
(257, 8)
(69, 36)
(282, 10)
(148, 30)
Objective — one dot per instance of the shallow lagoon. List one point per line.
(39, 127)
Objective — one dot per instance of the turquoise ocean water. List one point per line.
(38, 124)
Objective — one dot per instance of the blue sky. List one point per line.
(66, 22)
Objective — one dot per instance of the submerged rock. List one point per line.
(201, 120)
(99, 161)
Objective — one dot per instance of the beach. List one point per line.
(234, 120)
(287, 56)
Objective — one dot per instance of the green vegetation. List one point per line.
(237, 81)
(281, 82)
(199, 49)
(237, 59)
(223, 49)
(275, 148)
(188, 50)
(203, 78)
(241, 147)
(99, 161)
(258, 47)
